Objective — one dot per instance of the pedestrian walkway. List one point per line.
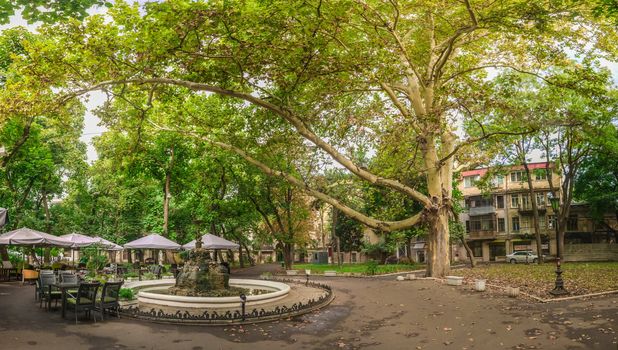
(366, 314)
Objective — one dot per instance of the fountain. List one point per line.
(203, 283)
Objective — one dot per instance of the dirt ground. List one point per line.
(367, 313)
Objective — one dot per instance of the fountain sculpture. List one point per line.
(202, 277)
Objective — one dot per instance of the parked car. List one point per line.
(522, 257)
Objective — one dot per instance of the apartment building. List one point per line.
(499, 218)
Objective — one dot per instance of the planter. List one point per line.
(479, 285)
(454, 280)
(291, 272)
(330, 273)
(29, 275)
(512, 292)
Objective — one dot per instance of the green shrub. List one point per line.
(126, 294)
(149, 276)
(131, 274)
(372, 267)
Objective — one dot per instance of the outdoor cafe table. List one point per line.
(63, 288)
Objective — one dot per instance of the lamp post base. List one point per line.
(559, 287)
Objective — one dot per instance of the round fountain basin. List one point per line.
(151, 293)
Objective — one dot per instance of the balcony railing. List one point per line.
(527, 209)
(485, 210)
(482, 234)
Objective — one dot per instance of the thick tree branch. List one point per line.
(387, 226)
(287, 115)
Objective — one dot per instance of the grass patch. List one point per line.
(356, 268)
(579, 277)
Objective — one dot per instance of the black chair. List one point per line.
(45, 294)
(84, 300)
(156, 270)
(109, 298)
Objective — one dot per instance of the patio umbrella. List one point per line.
(212, 242)
(28, 237)
(108, 245)
(80, 240)
(152, 241)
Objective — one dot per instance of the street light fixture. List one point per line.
(559, 286)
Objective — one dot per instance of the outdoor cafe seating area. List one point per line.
(90, 288)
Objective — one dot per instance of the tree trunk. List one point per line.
(240, 259)
(288, 255)
(535, 212)
(468, 251)
(438, 264)
(4, 253)
(46, 251)
(166, 199)
(339, 262)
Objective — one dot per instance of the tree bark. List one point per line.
(438, 263)
(468, 251)
(166, 200)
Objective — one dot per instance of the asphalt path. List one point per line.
(367, 313)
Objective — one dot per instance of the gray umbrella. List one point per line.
(28, 237)
(212, 242)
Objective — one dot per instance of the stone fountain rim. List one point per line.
(283, 289)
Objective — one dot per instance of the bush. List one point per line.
(404, 260)
(149, 276)
(126, 294)
(372, 267)
(391, 259)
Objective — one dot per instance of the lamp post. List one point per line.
(559, 286)
(243, 300)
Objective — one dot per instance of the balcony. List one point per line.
(527, 210)
(484, 210)
(482, 234)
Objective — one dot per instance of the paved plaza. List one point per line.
(367, 313)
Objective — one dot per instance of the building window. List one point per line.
(501, 225)
(500, 201)
(514, 201)
(540, 199)
(525, 202)
(551, 221)
(470, 181)
(515, 223)
(477, 248)
(540, 175)
(482, 223)
(517, 176)
(497, 180)
(467, 226)
(572, 223)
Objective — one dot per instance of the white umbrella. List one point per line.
(80, 240)
(108, 245)
(212, 242)
(153, 241)
(28, 237)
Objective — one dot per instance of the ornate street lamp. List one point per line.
(559, 287)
